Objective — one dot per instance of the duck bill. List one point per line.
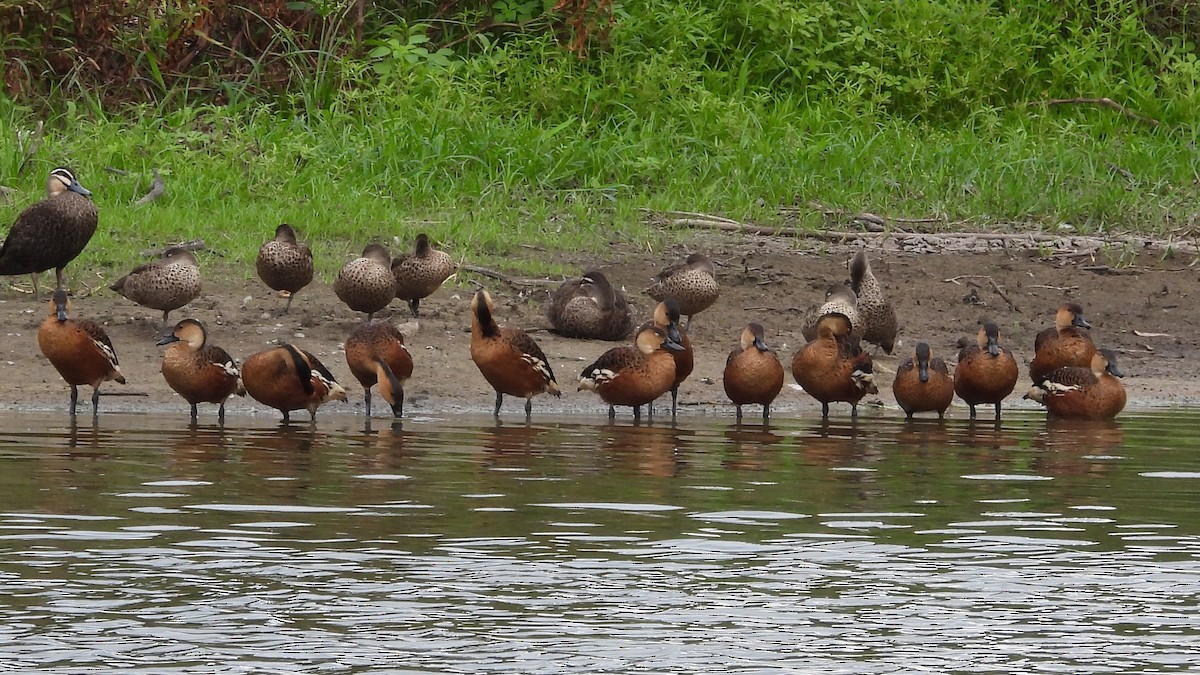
(167, 339)
(79, 189)
(992, 346)
(761, 345)
(1080, 322)
(672, 345)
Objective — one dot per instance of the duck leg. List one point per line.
(972, 406)
(74, 398)
(499, 400)
(288, 306)
(95, 400)
(194, 412)
(287, 416)
(766, 413)
(854, 412)
(37, 292)
(637, 413)
(824, 411)
(738, 408)
(612, 413)
(674, 400)
(221, 413)
(414, 305)
(997, 411)
(367, 396)
(528, 408)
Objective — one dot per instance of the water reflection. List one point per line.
(463, 545)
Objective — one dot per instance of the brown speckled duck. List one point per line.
(165, 284)
(923, 383)
(366, 283)
(284, 264)
(692, 282)
(197, 371)
(1092, 393)
(508, 358)
(288, 378)
(877, 314)
(753, 374)
(589, 307)
(840, 299)
(79, 350)
(420, 273)
(633, 375)
(376, 354)
(50, 233)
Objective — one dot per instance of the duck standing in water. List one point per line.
(284, 264)
(420, 273)
(834, 367)
(693, 284)
(1063, 345)
(366, 283)
(633, 375)
(589, 308)
(376, 354)
(753, 374)
(79, 350)
(986, 372)
(508, 358)
(1092, 393)
(197, 371)
(923, 383)
(288, 378)
(165, 284)
(50, 233)
(666, 317)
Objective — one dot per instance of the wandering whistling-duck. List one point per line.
(78, 349)
(666, 317)
(986, 372)
(1063, 345)
(1092, 393)
(376, 354)
(753, 374)
(923, 383)
(633, 375)
(198, 371)
(288, 378)
(833, 367)
(507, 357)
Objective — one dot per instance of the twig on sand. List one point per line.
(954, 280)
(514, 281)
(1003, 296)
(1062, 289)
(157, 188)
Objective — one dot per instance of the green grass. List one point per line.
(482, 180)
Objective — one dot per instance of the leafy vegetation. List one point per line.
(490, 124)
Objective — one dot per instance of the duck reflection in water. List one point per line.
(1078, 447)
(642, 449)
(197, 445)
(837, 442)
(750, 448)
